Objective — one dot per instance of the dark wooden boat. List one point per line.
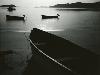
(48, 17)
(51, 49)
(11, 8)
(9, 17)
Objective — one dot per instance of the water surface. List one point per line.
(80, 27)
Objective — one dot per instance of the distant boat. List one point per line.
(48, 17)
(11, 8)
(9, 17)
(11, 5)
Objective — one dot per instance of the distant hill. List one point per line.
(77, 5)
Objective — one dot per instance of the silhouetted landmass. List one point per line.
(11, 5)
(78, 5)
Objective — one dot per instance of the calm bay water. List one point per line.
(80, 27)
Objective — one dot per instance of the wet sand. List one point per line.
(14, 52)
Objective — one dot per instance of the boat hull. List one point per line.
(48, 17)
(79, 60)
(8, 17)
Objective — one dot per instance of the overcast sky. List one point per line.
(41, 2)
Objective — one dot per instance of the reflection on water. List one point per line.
(48, 25)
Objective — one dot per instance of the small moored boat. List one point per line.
(9, 17)
(48, 17)
(11, 8)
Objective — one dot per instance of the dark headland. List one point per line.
(77, 5)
